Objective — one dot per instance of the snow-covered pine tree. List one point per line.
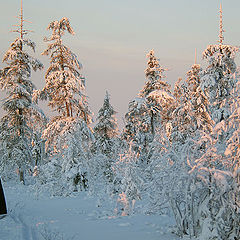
(65, 89)
(17, 126)
(65, 85)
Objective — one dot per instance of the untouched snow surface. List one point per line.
(33, 217)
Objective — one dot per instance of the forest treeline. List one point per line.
(178, 151)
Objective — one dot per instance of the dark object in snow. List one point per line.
(3, 208)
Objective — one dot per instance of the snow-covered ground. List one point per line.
(33, 217)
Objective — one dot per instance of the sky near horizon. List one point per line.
(113, 37)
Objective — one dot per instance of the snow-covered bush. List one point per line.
(68, 168)
(131, 183)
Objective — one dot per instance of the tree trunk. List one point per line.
(152, 123)
(21, 176)
(67, 108)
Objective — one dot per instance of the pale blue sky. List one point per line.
(113, 37)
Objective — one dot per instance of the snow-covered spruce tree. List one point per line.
(191, 113)
(64, 89)
(106, 130)
(136, 130)
(150, 112)
(218, 79)
(198, 101)
(216, 215)
(179, 123)
(217, 82)
(17, 125)
(157, 94)
(105, 148)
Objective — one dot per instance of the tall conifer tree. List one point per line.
(65, 86)
(218, 78)
(148, 113)
(21, 113)
(157, 93)
(106, 130)
(68, 135)
(216, 212)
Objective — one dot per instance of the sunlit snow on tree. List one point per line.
(22, 114)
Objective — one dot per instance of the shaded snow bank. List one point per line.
(77, 217)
